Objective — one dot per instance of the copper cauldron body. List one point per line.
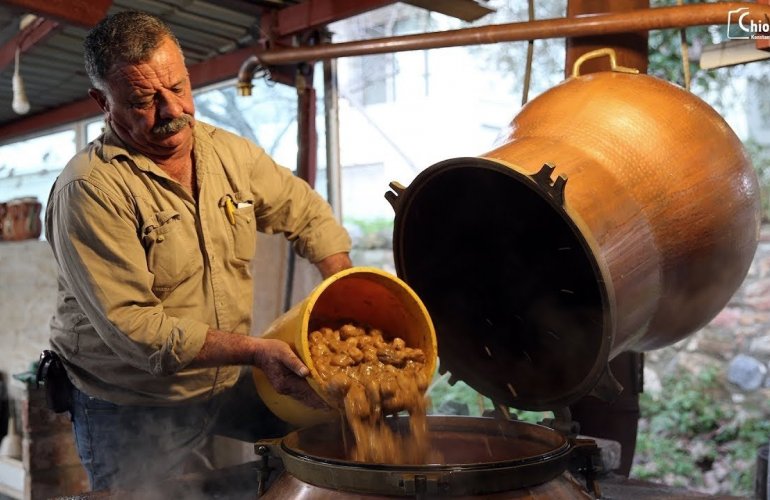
(621, 213)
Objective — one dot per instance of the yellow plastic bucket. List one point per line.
(363, 295)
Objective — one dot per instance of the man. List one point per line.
(153, 227)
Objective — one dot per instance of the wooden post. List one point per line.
(619, 419)
(631, 48)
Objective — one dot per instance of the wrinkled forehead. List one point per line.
(164, 65)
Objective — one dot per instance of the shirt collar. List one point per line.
(113, 146)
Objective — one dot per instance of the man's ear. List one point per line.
(100, 98)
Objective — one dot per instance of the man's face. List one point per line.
(149, 105)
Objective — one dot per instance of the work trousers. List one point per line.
(125, 447)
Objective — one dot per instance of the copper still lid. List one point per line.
(482, 456)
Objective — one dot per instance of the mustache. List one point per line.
(172, 126)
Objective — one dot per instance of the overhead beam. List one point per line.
(465, 10)
(731, 53)
(314, 13)
(39, 30)
(227, 66)
(84, 13)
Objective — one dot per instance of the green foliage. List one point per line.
(665, 59)
(369, 226)
(442, 394)
(689, 408)
(685, 429)
(741, 439)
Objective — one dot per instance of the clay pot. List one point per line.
(21, 220)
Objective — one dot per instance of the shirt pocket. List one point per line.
(239, 212)
(169, 249)
(67, 327)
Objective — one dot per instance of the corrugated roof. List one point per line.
(53, 70)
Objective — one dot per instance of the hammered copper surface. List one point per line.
(663, 186)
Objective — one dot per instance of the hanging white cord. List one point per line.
(20, 102)
(528, 66)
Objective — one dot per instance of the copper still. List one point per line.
(620, 213)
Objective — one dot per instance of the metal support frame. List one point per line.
(593, 25)
(598, 24)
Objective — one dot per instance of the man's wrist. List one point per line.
(334, 264)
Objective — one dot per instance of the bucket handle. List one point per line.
(599, 53)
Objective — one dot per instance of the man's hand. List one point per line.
(286, 372)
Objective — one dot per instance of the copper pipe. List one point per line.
(590, 25)
(246, 75)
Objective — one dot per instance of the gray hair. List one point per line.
(129, 36)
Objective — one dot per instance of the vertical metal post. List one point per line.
(332, 120)
(80, 135)
(307, 155)
(307, 139)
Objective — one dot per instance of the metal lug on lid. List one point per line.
(392, 196)
(607, 388)
(554, 189)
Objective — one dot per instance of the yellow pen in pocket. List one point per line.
(230, 210)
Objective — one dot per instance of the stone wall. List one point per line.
(27, 300)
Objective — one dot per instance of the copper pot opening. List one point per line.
(510, 282)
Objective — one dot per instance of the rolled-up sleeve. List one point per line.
(287, 204)
(95, 237)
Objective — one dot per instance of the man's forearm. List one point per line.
(222, 348)
(333, 264)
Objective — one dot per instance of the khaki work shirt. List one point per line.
(145, 269)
